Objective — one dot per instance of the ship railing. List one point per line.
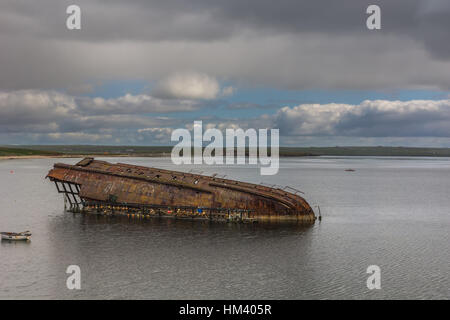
(295, 191)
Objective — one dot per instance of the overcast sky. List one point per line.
(138, 69)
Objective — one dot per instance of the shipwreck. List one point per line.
(94, 186)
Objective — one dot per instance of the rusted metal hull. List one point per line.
(100, 186)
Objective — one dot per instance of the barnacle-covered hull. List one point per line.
(123, 189)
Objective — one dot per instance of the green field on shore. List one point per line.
(67, 150)
(20, 151)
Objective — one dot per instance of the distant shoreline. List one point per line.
(81, 151)
(79, 156)
(15, 157)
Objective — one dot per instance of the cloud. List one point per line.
(188, 86)
(36, 116)
(250, 105)
(130, 104)
(287, 44)
(34, 107)
(377, 118)
(50, 116)
(160, 135)
(39, 116)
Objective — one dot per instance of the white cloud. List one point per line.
(188, 86)
(53, 116)
(34, 107)
(376, 118)
(50, 116)
(142, 103)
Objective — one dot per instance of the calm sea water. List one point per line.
(390, 212)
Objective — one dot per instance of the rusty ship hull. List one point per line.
(99, 186)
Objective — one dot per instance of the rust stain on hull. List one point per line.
(94, 184)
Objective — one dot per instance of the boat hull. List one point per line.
(15, 237)
(118, 188)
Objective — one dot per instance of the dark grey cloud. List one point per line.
(212, 20)
(209, 20)
(284, 44)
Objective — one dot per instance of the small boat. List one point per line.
(349, 170)
(26, 235)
